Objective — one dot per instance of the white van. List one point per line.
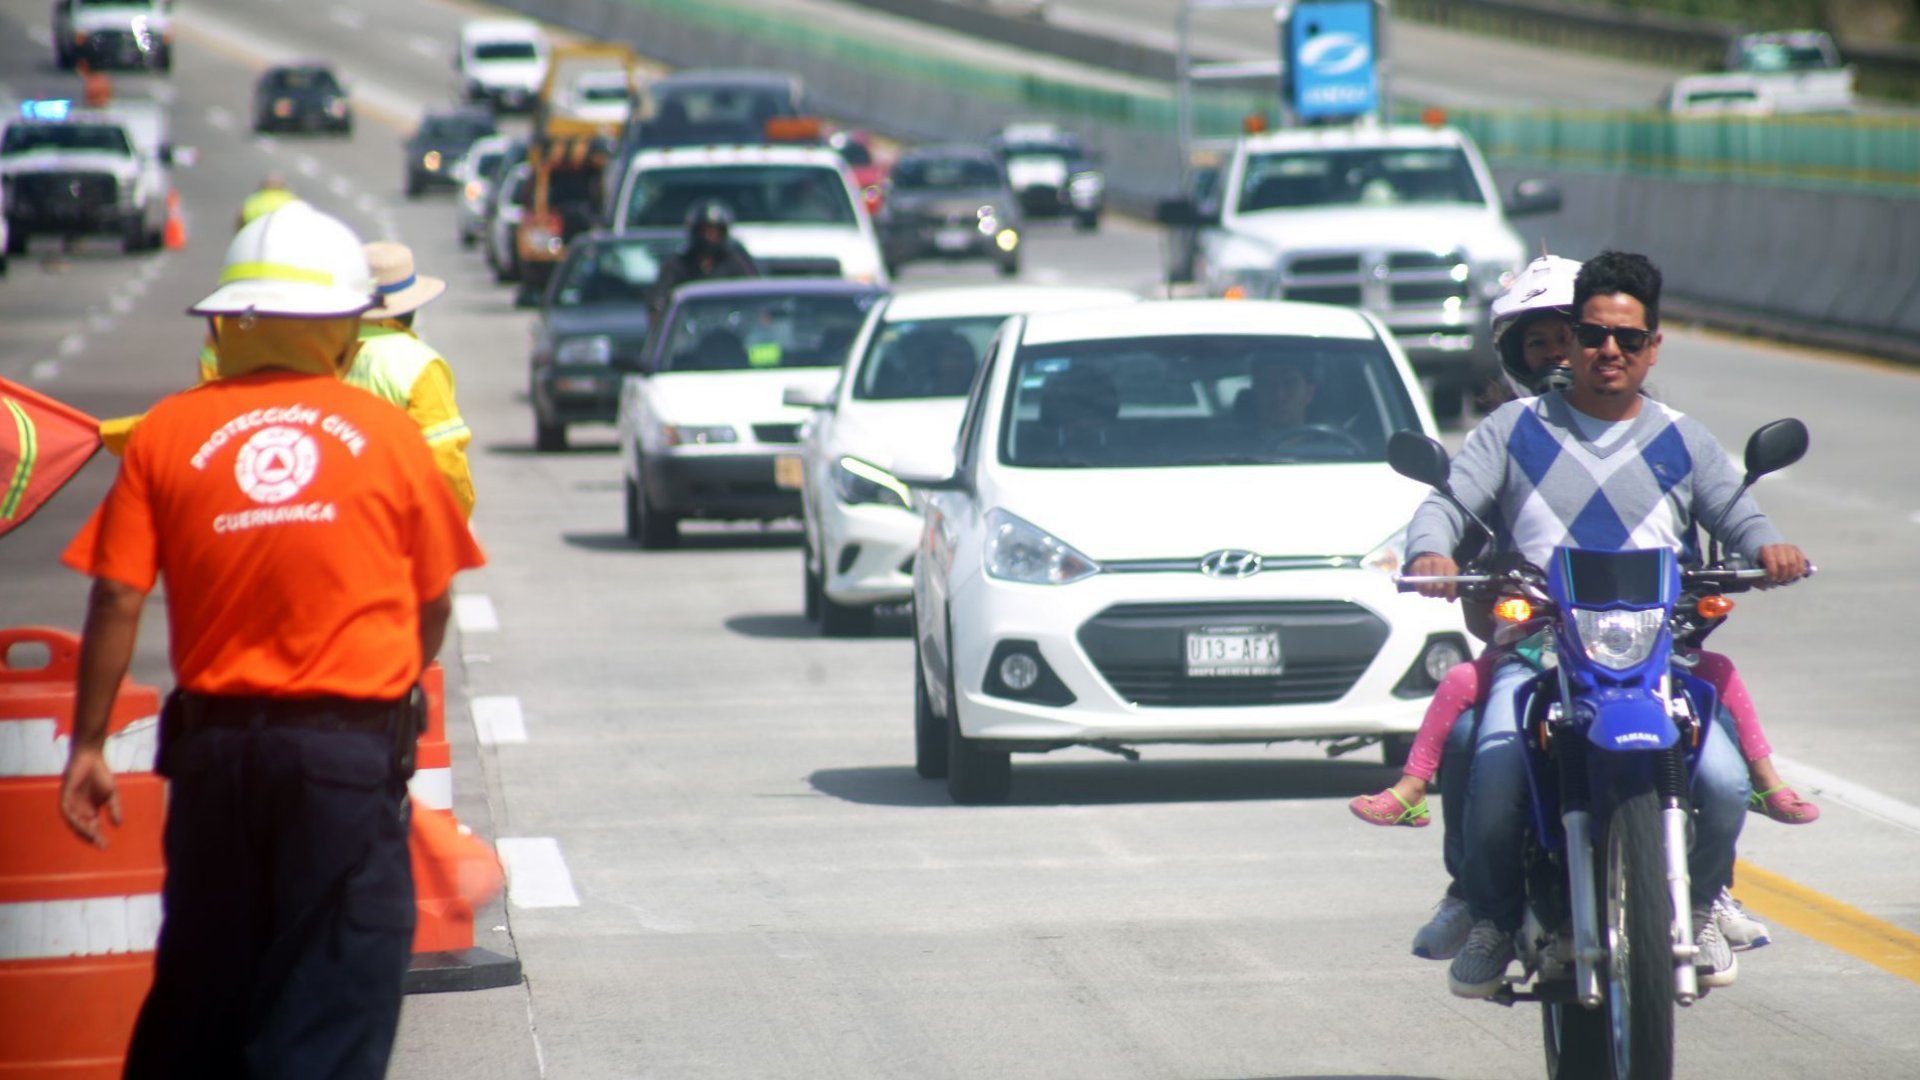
(503, 62)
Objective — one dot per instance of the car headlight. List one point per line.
(431, 159)
(597, 349)
(1618, 639)
(1006, 239)
(858, 482)
(337, 107)
(699, 434)
(1018, 550)
(1389, 556)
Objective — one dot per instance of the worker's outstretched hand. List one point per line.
(85, 790)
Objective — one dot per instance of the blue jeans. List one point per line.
(1496, 813)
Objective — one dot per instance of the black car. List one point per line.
(438, 142)
(592, 325)
(1053, 174)
(301, 97)
(950, 202)
(709, 107)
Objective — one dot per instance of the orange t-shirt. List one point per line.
(299, 523)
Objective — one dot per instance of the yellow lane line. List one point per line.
(1787, 903)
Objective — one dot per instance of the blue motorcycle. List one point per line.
(1614, 730)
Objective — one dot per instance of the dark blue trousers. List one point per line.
(288, 908)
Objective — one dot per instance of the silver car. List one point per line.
(474, 174)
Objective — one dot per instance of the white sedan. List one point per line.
(900, 395)
(1172, 522)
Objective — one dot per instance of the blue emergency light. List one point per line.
(51, 109)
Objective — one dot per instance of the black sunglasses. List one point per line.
(1592, 335)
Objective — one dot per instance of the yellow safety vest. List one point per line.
(396, 365)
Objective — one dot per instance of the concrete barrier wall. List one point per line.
(1823, 267)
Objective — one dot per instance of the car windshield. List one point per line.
(600, 91)
(945, 174)
(484, 164)
(1381, 177)
(506, 50)
(303, 79)
(613, 272)
(757, 194)
(721, 104)
(752, 333)
(455, 128)
(1202, 400)
(924, 358)
(1780, 56)
(1041, 150)
(23, 138)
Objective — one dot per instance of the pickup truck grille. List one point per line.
(1379, 280)
(52, 193)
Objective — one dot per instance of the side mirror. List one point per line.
(166, 154)
(929, 471)
(1184, 213)
(807, 397)
(1774, 447)
(1532, 197)
(1419, 457)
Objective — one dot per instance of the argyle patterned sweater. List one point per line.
(1530, 474)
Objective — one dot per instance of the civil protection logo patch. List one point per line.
(276, 463)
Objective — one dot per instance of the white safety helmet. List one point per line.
(1546, 285)
(293, 263)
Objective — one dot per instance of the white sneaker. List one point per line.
(1741, 930)
(1715, 962)
(1443, 935)
(1481, 967)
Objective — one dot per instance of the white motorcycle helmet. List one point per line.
(1546, 285)
(293, 263)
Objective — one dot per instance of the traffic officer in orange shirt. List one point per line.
(308, 546)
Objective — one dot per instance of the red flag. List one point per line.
(43, 443)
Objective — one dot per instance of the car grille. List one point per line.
(800, 266)
(1382, 281)
(1140, 650)
(777, 433)
(51, 191)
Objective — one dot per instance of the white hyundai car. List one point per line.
(901, 394)
(1172, 522)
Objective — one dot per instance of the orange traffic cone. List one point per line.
(175, 236)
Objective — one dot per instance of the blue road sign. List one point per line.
(1330, 59)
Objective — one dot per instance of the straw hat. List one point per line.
(399, 289)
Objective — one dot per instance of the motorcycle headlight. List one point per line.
(699, 434)
(585, 350)
(1389, 556)
(1618, 639)
(858, 482)
(1018, 550)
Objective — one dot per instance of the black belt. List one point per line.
(198, 711)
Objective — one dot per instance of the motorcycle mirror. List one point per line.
(1419, 457)
(1774, 447)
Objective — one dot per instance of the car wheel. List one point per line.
(809, 585)
(1010, 267)
(656, 530)
(133, 239)
(16, 240)
(975, 776)
(548, 437)
(414, 187)
(1395, 749)
(501, 273)
(164, 61)
(929, 735)
(842, 620)
(633, 518)
(1087, 222)
(467, 239)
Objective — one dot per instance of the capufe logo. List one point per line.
(276, 463)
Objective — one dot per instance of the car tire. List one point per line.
(133, 239)
(929, 734)
(164, 61)
(549, 437)
(503, 273)
(1010, 267)
(1395, 749)
(809, 585)
(975, 776)
(844, 621)
(632, 518)
(414, 187)
(653, 530)
(1087, 222)
(16, 239)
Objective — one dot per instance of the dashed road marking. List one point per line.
(431, 48)
(367, 203)
(72, 344)
(1866, 800)
(41, 36)
(44, 370)
(537, 875)
(219, 119)
(100, 323)
(349, 18)
(498, 720)
(340, 186)
(306, 166)
(473, 613)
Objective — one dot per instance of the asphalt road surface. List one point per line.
(723, 863)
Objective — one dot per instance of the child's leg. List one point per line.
(1770, 791)
(1457, 692)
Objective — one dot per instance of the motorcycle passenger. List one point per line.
(1673, 477)
(1533, 334)
(711, 253)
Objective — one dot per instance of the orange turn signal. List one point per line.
(1714, 607)
(1234, 292)
(1513, 609)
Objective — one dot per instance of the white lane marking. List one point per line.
(267, 144)
(219, 119)
(120, 304)
(537, 875)
(100, 323)
(41, 36)
(1914, 517)
(367, 203)
(347, 17)
(71, 344)
(44, 370)
(340, 186)
(164, 93)
(497, 719)
(473, 613)
(1846, 792)
(306, 166)
(431, 48)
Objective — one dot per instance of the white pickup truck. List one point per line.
(72, 173)
(1796, 71)
(113, 33)
(1402, 220)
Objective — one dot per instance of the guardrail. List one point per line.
(1824, 261)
